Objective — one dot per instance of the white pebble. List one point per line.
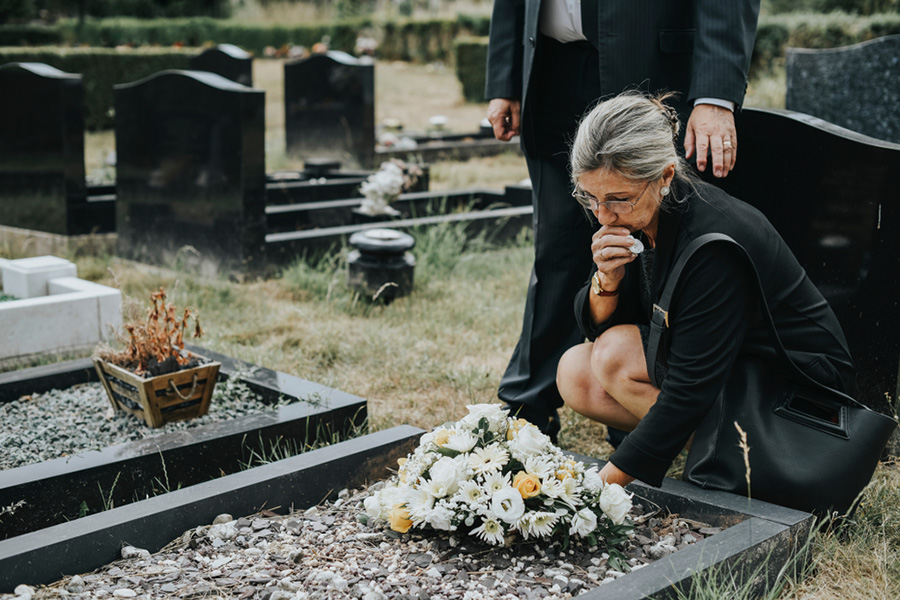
(223, 518)
(124, 593)
(24, 591)
(132, 552)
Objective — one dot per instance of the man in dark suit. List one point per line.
(548, 62)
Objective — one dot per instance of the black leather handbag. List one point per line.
(812, 447)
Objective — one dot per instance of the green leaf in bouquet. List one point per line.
(449, 452)
(617, 560)
(513, 466)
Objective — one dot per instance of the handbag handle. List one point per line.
(659, 320)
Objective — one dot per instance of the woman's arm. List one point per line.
(712, 309)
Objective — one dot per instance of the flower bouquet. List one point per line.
(498, 478)
(385, 185)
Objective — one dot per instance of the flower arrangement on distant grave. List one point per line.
(384, 186)
(154, 377)
(498, 478)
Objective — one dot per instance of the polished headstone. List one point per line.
(227, 60)
(41, 148)
(857, 87)
(191, 171)
(832, 195)
(329, 104)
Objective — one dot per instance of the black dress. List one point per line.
(713, 317)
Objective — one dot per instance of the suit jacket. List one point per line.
(701, 48)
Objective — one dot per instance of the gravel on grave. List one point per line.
(68, 421)
(326, 553)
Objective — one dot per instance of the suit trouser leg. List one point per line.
(564, 87)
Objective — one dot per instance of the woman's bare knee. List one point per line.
(617, 355)
(573, 374)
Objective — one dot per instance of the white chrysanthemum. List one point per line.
(537, 524)
(583, 522)
(494, 482)
(571, 490)
(461, 441)
(494, 414)
(471, 493)
(440, 518)
(592, 481)
(528, 441)
(488, 459)
(490, 530)
(553, 488)
(419, 504)
(507, 505)
(542, 466)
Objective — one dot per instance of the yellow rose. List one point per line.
(401, 461)
(514, 428)
(399, 519)
(441, 437)
(528, 485)
(564, 473)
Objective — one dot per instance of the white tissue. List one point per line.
(637, 247)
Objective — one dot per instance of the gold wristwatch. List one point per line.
(597, 289)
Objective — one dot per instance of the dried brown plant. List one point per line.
(156, 346)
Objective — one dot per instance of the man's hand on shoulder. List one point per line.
(504, 115)
(711, 127)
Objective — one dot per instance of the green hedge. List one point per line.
(810, 30)
(471, 60)
(29, 35)
(102, 68)
(415, 40)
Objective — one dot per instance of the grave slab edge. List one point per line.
(82, 371)
(88, 543)
(754, 549)
(731, 504)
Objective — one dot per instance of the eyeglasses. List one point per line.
(616, 206)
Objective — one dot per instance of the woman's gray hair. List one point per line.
(631, 134)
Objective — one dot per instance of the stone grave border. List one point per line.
(503, 214)
(761, 535)
(190, 457)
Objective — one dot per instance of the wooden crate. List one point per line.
(154, 399)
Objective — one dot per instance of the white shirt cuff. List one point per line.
(716, 102)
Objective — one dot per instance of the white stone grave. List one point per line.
(54, 311)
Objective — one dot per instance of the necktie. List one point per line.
(589, 17)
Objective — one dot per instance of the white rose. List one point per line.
(583, 522)
(494, 414)
(507, 505)
(615, 502)
(373, 506)
(529, 441)
(444, 475)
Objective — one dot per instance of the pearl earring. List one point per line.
(664, 191)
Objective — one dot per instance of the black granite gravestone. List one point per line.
(833, 196)
(42, 149)
(329, 106)
(857, 87)
(226, 60)
(191, 170)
